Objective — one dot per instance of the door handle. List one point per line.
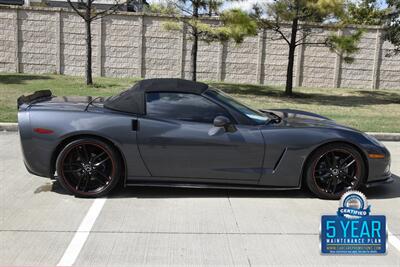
(135, 125)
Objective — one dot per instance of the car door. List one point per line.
(177, 139)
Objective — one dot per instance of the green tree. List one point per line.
(191, 15)
(294, 22)
(365, 12)
(393, 30)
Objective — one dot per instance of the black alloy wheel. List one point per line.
(88, 168)
(335, 169)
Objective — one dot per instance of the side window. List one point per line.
(182, 106)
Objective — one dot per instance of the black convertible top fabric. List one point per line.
(133, 100)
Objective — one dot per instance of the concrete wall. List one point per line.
(44, 40)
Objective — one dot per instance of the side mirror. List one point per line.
(224, 122)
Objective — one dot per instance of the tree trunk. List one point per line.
(195, 45)
(292, 49)
(193, 56)
(88, 76)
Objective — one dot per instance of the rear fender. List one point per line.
(68, 124)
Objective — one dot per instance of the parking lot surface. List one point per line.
(166, 226)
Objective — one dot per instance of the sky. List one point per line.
(248, 4)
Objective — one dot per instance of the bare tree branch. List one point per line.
(76, 10)
(106, 12)
(276, 28)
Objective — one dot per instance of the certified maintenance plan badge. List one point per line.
(353, 230)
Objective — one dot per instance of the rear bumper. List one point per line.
(34, 172)
(36, 150)
(386, 180)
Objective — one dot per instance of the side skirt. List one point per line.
(210, 186)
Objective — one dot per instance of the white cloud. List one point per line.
(245, 5)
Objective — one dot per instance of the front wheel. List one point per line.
(334, 169)
(88, 167)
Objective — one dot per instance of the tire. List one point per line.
(88, 167)
(326, 166)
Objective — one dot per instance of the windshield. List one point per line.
(256, 116)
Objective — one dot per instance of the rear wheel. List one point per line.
(334, 169)
(88, 167)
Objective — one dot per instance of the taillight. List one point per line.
(43, 131)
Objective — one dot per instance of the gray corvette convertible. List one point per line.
(172, 132)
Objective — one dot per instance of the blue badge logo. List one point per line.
(353, 205)
(353, 230)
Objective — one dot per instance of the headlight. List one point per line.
(373, 140)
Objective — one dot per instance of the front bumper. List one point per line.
(387, 180)
(379, 168)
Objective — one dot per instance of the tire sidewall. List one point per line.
(108, 148)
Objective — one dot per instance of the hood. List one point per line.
(300, 118)
(67, 103)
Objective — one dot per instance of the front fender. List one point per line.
(287, 150)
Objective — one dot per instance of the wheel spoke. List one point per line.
(76, 170)
(73, 164)
(343, 162)
(348, 183)
(80, 154)
(101, 162)
(330, 159)
(334, 184)
(93, 160)
(322, 170)
(102, 182)
(87, 178)
(70, 169)
(348, 165)
(103, 175)
(79, 182)
(323, 176)
(85, 153)
(328, 186)
(334, 160)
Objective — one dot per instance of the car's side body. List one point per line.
(158, 150)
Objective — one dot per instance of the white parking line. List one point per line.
(76, 244)
(394, 241)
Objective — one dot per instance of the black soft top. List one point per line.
(133, 100)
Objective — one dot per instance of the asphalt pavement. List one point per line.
(42, 225)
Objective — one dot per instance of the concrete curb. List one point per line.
(386, 136)
(13, 127)
(8, 126)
